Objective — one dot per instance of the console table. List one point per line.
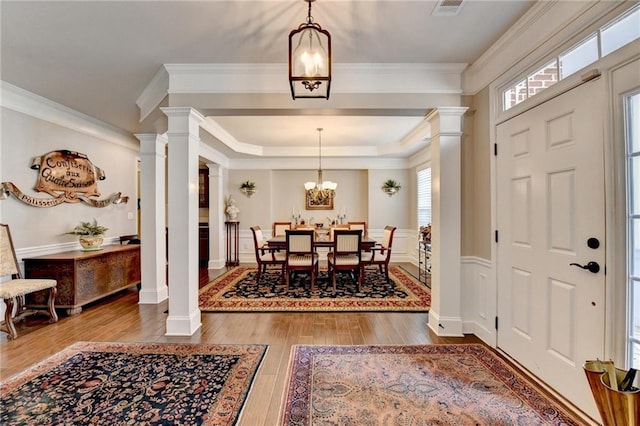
(85, 276)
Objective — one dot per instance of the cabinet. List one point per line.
(424, 263)
(203, 251)
(203, 188)
(85, 276)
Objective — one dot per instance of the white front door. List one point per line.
(550, 215)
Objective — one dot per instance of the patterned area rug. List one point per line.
(133, 384)
(411, 385)
(237, 291)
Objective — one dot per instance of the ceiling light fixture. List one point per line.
(320, 191)
(310, 60)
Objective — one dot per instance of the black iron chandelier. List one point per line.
(310, 60)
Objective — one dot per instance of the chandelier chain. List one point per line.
(320, 148)
(309, 17)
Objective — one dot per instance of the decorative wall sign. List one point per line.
(69, 177)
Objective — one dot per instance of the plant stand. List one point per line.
(232, 243)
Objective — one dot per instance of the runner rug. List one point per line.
(238, 291)
(464, 384)
(133, 384)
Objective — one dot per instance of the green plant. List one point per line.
(248, 185)
(391, 183)
(88, 228)
(390, 187)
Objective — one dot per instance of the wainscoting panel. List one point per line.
(478, 298)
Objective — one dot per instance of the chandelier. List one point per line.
(320, 192)
(309, 60)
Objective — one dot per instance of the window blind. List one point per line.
(424, 197)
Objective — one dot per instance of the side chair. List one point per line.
(345, 255)
(300, 254)
(332, 229)
(264, 255)
(14, 290)
(380, 254)
(360, 225)
(280, 227)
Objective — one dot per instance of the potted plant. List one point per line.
(90, 235)
(390, 187)
(248, 188)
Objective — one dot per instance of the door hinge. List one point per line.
(496, 235)
(495, 149)
(496, 322)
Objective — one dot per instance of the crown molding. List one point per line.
(25, 102)
(154, 93)
(270, 78)
(297, 163)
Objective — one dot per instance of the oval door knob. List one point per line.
(592, 266)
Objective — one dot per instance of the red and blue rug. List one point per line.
(133, 384)
(238, 291)
(464, 384)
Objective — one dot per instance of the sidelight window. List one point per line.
(632, 135)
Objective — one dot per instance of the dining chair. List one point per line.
(264, 255)
(332, 229)
(13, 291)
(300, 254)
(360, 225)
(280, 227)
(345, 255)
(380, 254)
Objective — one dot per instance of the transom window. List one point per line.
(612, 36)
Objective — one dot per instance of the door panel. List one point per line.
(550, 202)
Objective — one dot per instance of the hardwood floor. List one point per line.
(121, 319)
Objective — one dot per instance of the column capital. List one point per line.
(152, 143)
(214, 169)
(446, 120)
(183, 119)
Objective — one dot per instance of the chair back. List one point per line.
(300, 253)
(347, 241)
(280, 227)
(387, 237)
(258, 239)
(299, 241)
(8, 260)
(333, 228)
(359, 225)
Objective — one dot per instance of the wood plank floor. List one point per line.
(120, 319)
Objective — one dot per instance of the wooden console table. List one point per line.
(85, 276)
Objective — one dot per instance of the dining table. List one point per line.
(279, 242)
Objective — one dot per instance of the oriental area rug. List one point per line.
(238, 291)
(133, 384)
(463, 384)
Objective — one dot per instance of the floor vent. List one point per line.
(447, 8)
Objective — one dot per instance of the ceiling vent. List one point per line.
(447, 8)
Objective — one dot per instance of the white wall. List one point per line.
(24, 137)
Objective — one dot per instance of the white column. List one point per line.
(216, 217)
(184, 138)
(152, 210)
(445, 314)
